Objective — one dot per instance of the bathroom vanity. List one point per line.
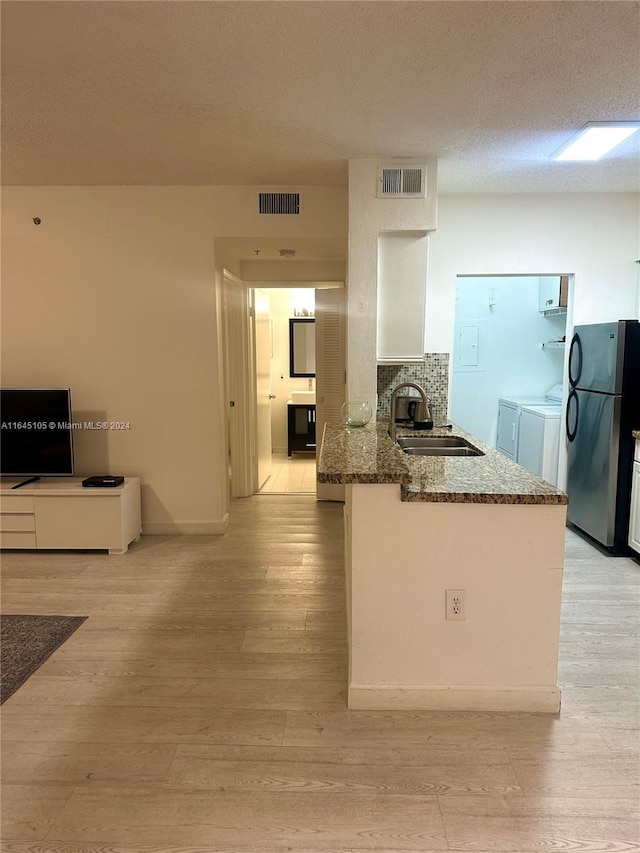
(301, 427)
(425, 531)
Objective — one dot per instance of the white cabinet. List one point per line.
(553, 292)
(634, 520)
(402, 291)
(65, 515)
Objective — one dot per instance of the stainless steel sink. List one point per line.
(437, 445)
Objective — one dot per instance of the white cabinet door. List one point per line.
(553, 291)
(634, 521)
(402, 293)
(79, 522)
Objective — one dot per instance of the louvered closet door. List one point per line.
(331, 365)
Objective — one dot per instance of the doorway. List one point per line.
(291, 466)
(509, 342)
(240, 342)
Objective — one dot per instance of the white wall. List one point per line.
(115, 296)
(293, 271)
(594, 236)
(368, 217)
(510, 359)
(404, 653)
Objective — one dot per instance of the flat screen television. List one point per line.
(36, 436)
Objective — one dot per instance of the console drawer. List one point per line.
(11, 522)
(16, 503)
(17, 539)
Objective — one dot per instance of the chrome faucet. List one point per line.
(423, 410)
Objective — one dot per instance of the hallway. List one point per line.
(201, 708)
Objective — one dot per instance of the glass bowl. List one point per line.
(356, 413)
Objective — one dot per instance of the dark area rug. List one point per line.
(27, 641)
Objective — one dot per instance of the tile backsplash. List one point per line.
(432, 373)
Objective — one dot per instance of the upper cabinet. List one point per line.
(402, 292)
(553, 293)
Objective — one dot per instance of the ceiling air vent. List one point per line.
(279, 203)
(408, 181)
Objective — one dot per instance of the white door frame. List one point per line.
(261, 335)
(238, 348)
(331, 366)
(240, 374)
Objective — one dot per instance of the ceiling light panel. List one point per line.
(596, 139)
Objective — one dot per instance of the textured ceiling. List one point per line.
(285, 93)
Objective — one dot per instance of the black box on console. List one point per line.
(103, 482)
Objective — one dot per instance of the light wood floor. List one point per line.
(201, 708)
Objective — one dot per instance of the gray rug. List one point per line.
(27, 641)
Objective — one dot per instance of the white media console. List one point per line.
(63, 514)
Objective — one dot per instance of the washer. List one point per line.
(539, 440)
(509, 412)
(509, 422)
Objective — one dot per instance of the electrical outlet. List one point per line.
(456, 604)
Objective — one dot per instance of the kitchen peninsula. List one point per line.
(423, 529)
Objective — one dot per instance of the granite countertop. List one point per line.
(367, 455)
(636, 434)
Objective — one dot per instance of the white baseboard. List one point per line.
(403, 697)
(187, 528)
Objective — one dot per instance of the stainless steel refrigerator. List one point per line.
(602, 410)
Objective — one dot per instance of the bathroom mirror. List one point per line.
(302, 347)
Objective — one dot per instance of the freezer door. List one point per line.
(595, 358)
(593, 464)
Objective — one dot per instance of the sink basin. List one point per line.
(303, 397)
(432, 441)
(437, 445)
(442, 451)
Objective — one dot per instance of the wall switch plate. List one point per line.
(456, 604)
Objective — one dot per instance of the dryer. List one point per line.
(509, 423)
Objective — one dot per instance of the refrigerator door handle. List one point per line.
(576, 346)
(572, 401)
